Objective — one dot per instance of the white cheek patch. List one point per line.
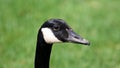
(48, 36)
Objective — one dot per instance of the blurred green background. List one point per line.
(96, 20)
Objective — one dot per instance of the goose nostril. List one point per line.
(77, 37)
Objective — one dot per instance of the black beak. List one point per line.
(74, 38)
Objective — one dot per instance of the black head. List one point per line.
(56, 30)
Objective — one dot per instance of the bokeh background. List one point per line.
(96, 20)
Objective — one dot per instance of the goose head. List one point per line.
(57, 30)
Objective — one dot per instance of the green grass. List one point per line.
(96, 20)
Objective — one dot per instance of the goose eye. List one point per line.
(56, 28)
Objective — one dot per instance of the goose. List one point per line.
(53, 31)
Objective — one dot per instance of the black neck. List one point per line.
(43, 51)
